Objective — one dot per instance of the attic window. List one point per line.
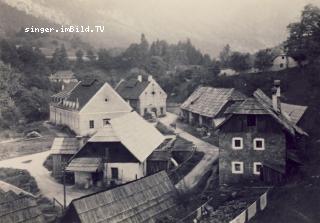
(153, 92)
(106, 99)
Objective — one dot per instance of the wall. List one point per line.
(288, 62)
(275, 146)
(83, 179)
(127, 171)
(149, 101)
(60, 116)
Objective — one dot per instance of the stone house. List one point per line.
(282, 62)
(87, 106)
(145, 95)
(260, 139)
(206, 105)
(117, 153)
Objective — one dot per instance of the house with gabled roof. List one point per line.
(260, 139)
(87, 106)
(17, 205)
(206, 105)
(117, 153)
(145, 95)
(145, 200)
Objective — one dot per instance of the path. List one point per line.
(47, 185)
(211, 154)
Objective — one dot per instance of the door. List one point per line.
(114, 173)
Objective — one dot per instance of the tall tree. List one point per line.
(240, 61)
(263, 59)
(225, 55)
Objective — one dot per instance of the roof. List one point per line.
(105, 134)
(208, 101)
(6, 187)
(295, 112)
(85, 164)
(63, 74)
(262, 104)
(132, 88)
(65, 146)
(66, 91)
(140, 137)
(17, 205)
(140, 201)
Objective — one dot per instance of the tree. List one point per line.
(225, 55)
(91, 56)
(60, 59)
(79, 61)
(304, 36)
(263, 59)
(240, 61)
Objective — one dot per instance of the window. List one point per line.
(283, 57)
(153, 92)
(106, 99)
(258, 144)
(114, 173)
(237, 167)
(237, 143)
(106, 121)
(145, 111)
(162, 111)
(91, 124)
(257, 168)
(281, 65)
(251, 120)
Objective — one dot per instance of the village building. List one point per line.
(87, 106)
(228, 72)
(206, 105)
(145, 200)
(64, 76)
(17, 205)
(260, 139)
(61, 152)
(118, 153)
(282, 62)
(144, 95)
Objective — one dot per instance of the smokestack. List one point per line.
(276, 94)
(150, 78)
(140, 78)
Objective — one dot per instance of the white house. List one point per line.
(117, 153)
(87, 107)
(144, 95)
(64, 76)
(282, 62)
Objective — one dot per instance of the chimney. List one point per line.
(276, 94)
(150, 78)
(140, 78)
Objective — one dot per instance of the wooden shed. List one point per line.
(143, 200)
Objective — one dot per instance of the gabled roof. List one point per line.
(132, 88)
(295, 112)
(208, 101)
(262, 104)
(66, 91)
(140, 201)
(65, 146)
(85, 164)
(17, 205)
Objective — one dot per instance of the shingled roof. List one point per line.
(132, 88)
(17, 205)
(262, 104)
(208, 101)
(85, 164)
(141, 201)
(65, 146)
(66, 91)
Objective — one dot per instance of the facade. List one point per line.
(65, 76)
(117, 153)
(282, 62)
(17, 205)
(206, 105)
(87, 107)
(145, 96)
(144, 200)
(259, 139)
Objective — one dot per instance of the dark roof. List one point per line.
(84, 91)
(19, 207)
(66, 91)
(65, 146)
(208, 101)
(143, 200)
(262, 104)
(132, 88)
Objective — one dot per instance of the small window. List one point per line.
(114, 173)
(106, 121)
(258, 144)
(145, 111)
(257, 166)
(283, 57)
(281, 65)
(237, 167)
(153, 92)
(237, 143)
(106, 99)
(251, 120)
(91, 124)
